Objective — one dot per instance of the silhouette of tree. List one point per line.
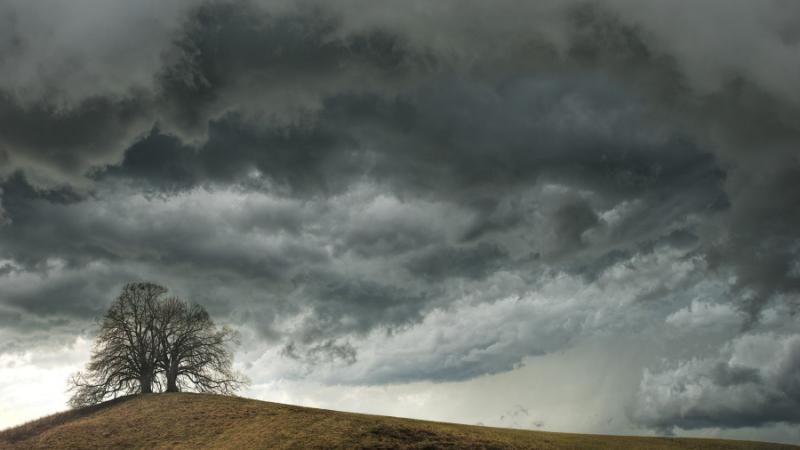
(147, 343)
(125, 356)
(193, 351)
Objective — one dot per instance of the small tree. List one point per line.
(147, 343)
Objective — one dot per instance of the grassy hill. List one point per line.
(183, 421)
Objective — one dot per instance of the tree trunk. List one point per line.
(172, 378)
(146, 384)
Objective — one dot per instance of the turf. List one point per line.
(190, 421)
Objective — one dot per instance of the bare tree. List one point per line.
(194, 353)
(148, 343)
(125, 355)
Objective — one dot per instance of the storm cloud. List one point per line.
(752, 382)
(437, 192)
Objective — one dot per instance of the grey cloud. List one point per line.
(726, 375)
(416, 140)
(4, 220)
(469, 262)
(493, 215)
(292, 158)
(345, 304)
(593, 265)
(328, 351)
(61, 299)
(260, 242)
(752, 382)
(77, 138)
(240, 56)
(162, 161)
(571, 220)
(70, 53)
(761, 238)
(766, 31)
(411, 141)
(303, 160)
(332, 172)
(208, 69)
(494, 324)
(264, 50)
(734, 110)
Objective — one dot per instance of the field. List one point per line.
(189, 421)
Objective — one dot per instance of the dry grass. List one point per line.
(190, 421)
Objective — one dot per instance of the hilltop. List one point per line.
(188, 421)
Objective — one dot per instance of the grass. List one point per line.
(190, 421)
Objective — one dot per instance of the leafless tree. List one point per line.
(194, 353)
(148, 343)
(125, 355)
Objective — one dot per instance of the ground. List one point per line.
(191, 421)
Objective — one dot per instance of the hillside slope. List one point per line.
(183, 421)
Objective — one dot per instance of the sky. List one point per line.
(557, 215)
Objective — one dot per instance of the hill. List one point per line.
(183, 421)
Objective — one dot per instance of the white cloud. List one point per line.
(33, 383)
(706, 314)
(494, 324)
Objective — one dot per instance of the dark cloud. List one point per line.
(736, 116)
(469, 262)
(571, 220)
(226, 50)
(472, 143)
(58, 145)
(161, 160)
(326, 173)
(761, 240)
(346, 304)
(326, 352)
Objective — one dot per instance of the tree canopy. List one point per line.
(151, 343)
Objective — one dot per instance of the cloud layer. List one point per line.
(753, 381)
(426, 193)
